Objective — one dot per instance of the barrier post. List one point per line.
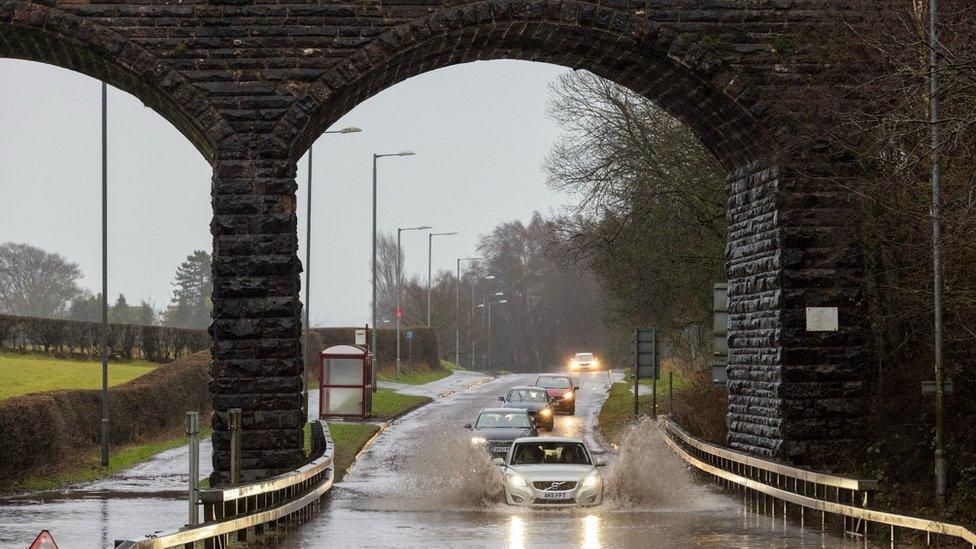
(234, 425)
(193, 437)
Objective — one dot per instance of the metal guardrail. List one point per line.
(768, 484)
(239, 513)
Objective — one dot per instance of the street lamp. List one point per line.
(372, 346)
(457, 310)
(471, 318)
(308, 263)
(490, 364)
(430, 255)
(399, 291)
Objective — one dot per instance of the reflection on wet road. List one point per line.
(422, 484)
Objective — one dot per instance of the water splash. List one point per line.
(647, 473)
(448, 472)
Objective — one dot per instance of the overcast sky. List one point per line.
(480, 132)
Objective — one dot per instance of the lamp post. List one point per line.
(490, 364)
(372, 345)
(934, 111)
(430, 256)
(308, 263)
(103, 340)
(399, 291)
(471, 318)
(457, 310)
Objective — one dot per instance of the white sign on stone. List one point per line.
(822, 319)
(360, 336)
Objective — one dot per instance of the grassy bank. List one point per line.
(388, 404)
(349, 439)
(86, 467)
(617, 413)
(21, 374)
(413, 375)
(448, 365)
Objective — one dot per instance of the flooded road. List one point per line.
(422, 484)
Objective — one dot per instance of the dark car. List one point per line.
(497, 428)
(533, 400)
(561, 391)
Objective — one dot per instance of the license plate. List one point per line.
(558, 495)
(498, 448)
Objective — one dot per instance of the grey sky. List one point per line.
(480, 132)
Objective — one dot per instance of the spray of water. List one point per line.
(448, 472)
(647, 474)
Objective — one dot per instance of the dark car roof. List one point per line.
(555, 375)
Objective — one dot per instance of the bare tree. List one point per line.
(386, 271)
(34, 282)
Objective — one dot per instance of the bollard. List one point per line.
(193, 437)
(671, 393)
(234, 425)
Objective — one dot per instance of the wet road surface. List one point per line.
(422, 484)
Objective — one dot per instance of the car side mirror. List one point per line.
(499, 462)
(501, 399)
(576, 388)
(467, 426)
(600, 462)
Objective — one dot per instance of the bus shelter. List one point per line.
(345, 382)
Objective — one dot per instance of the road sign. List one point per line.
(398, 312)
(44, 541)
(720, 334)
(928, 387)
(411, 334)
(646, 353)
(360, 336)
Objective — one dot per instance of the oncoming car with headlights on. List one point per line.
(584, 361)
(549, 471)
(533, 400)
(561, 391)
(496, 429)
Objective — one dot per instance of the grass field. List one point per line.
(87, 468)
(617, 413)
(349, 439)
(21, 374)
(414, 376)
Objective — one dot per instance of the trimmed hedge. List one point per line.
(75, 337)
(424, 350)
(42, 429)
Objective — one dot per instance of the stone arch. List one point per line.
(37, 32)
(649, 58)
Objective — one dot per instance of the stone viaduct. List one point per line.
(252, 83)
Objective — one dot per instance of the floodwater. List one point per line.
(422, 484)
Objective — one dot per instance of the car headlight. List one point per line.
(545, 412)
(478, 440)
(568, 396)
(592, 479)
(517, 481)
(574, 365)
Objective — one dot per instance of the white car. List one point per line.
(551, 472)
(584, 361)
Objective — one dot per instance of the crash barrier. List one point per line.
(771, 487)
(239, 514)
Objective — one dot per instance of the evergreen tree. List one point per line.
(191, 305)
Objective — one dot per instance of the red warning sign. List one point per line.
(398, 312)
(44, 541)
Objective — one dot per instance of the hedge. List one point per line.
(424, 345)
(44, 429)
(75, 337)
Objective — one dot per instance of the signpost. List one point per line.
(361, 336)
(410, 337)
(647, 364)
(398, 312)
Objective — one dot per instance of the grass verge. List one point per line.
(349, 439)
(448, 365)
(86, 468)
(617, 413)
(389, 404)
(413, 376)
(21, 374)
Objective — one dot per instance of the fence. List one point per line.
(771, 487)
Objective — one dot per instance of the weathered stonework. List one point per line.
(253, 83)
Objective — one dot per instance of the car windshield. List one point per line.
(584, 356)
(537, 453)
(551, 382)
(503, 420)
(527, 395)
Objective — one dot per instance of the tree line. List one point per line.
(38, 283)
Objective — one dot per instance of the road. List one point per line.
(422, 484)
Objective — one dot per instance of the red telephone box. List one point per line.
(345, 386)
